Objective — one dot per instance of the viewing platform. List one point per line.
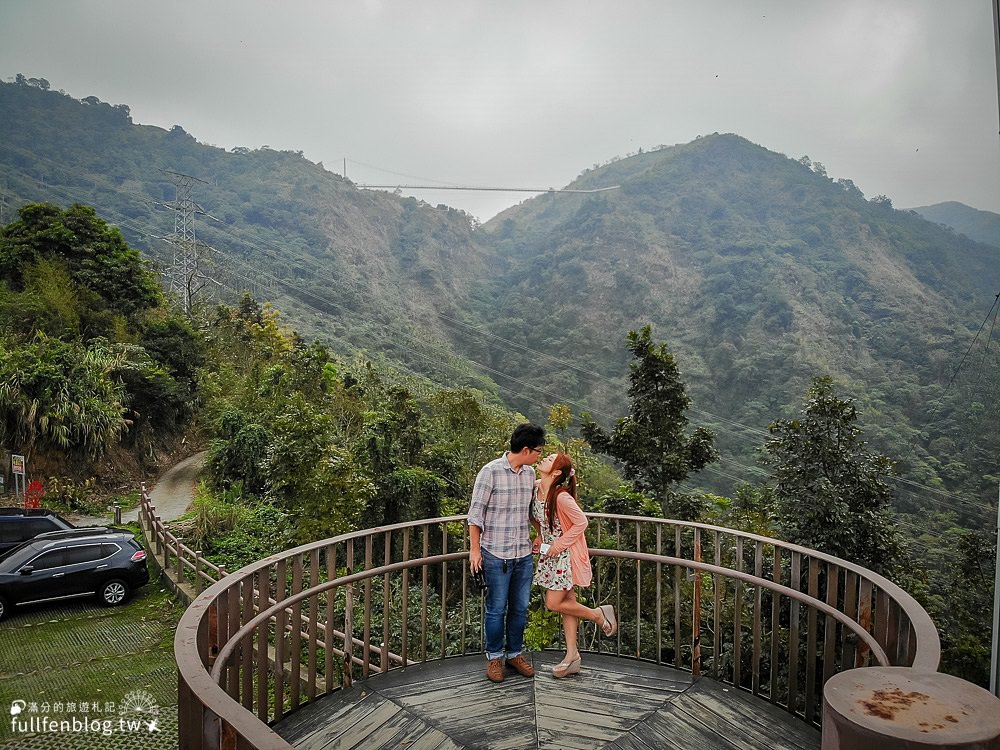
(374, 639)
(613, 703)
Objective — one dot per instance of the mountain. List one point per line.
(982, 226)
(759, 271)
(364, 271)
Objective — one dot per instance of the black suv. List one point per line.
(77, 562)
(21, 524)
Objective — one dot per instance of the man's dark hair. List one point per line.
(526, 435)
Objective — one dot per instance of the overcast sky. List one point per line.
(898, 95)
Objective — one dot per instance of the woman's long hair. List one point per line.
(564, 481)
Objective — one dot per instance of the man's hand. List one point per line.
(475, 551)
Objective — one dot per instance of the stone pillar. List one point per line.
(898, 708)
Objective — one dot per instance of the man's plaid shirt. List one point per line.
(501, 507)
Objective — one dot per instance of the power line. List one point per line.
(986, 349)
(994, 306)
(493, 189)
(756, 471)
(398, 174)
(256, 273)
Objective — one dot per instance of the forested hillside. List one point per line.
(758, 270)
(365, 271)
(761, 272)
(98, 368)
(93, 361)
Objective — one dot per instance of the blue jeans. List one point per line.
(509, 584)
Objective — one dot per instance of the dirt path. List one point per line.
(172, 494)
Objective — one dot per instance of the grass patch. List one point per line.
(83, 652)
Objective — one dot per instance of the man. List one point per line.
(500, 545)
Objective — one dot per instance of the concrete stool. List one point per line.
(892, 708)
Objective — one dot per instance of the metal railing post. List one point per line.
(262, 623)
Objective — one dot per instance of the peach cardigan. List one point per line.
(573, 523)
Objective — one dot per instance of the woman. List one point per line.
(564, 560)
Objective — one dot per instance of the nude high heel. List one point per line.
(610, 626)
(563, 669)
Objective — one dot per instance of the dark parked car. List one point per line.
(21, 524)
(105, 562)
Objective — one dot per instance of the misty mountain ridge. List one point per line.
(981, 226)
(758, 270)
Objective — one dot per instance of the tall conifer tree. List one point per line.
(652, 443)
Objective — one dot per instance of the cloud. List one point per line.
(899, 96)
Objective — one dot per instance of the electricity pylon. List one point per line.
(183, 275)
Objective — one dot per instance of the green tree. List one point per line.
(595, 477)
(393, 446)
(78, 309)
(967, 630)
(829, 491)
(467, 433)
(652, 443)
(174, 344)
(749, 509)
(61, 396)
(625, 501)
(58, 307)
(311, 475)
(157, 401)
(237, 454)
(96, 256)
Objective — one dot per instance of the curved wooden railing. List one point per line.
(764, 616)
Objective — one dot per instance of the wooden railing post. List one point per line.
(180, 560)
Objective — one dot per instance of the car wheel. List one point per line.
(113, 592)
(3, 607)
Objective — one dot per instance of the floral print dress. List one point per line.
(552, 572)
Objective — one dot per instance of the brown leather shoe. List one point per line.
(494, 670)
(521, 665)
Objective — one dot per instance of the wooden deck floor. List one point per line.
(613, 703)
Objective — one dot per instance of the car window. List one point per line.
(108, 549)
(14, 557)
(52, 559)
(34, 526)
(86, 553)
